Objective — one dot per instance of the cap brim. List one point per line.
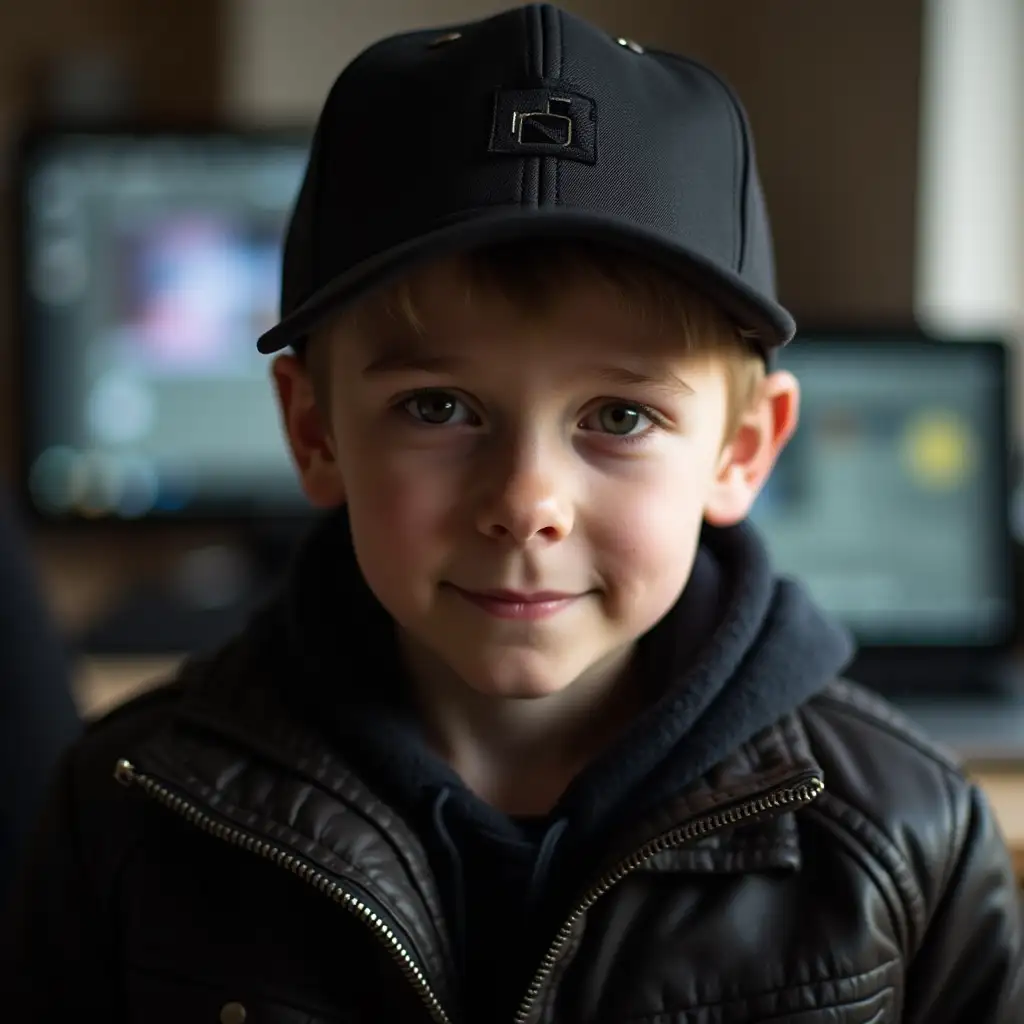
(748, 308)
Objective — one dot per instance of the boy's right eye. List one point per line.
(439, 409)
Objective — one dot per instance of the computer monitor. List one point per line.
(148, 264)
(892, 501)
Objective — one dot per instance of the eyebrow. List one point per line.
(663, 380)
(409, 360)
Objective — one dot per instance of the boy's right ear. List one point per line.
(307, 428)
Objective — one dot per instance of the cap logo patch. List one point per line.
(544, 122)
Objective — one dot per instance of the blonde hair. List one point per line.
(533, 275)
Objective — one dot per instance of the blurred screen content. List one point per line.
(151, 265)
(890, 499)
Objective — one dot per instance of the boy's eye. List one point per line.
(619, 419)
(438, 408)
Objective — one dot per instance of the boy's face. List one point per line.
(525, 493)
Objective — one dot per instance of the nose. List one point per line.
(526, 498)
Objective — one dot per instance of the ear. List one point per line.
(747, 460)
(307, 429)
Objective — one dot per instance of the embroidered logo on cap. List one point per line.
(544, 122)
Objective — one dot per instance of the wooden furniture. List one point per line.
(103, 683)
(1005, 790)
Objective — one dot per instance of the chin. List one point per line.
(519, 689)
(512, 679)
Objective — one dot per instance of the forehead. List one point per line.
(444, 309)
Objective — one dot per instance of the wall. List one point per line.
(832, 91)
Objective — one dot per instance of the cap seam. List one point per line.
(535, 42)
(558, 54)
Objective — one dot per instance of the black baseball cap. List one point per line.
(530, 124)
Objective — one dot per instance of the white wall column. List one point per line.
(970, 266)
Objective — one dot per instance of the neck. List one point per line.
(520, 755)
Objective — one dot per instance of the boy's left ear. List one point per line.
(747, 460)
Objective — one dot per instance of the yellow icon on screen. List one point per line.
(939, 450)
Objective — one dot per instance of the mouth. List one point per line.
(524, 606)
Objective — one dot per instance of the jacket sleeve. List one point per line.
(970, 966)
(55, 941)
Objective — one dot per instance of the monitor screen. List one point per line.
(890, 501)
(149, 265)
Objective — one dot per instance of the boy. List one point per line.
(532, 733)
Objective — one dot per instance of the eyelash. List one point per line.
(656, 419)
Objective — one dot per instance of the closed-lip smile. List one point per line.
(530, 606)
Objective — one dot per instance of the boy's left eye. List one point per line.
(620, 419)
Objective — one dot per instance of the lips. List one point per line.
(518, 605)
(524, 597)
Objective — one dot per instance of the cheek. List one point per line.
(647, 533)
(401, 511)
(649, 542)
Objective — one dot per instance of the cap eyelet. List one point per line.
(448, 37)
(629, 45)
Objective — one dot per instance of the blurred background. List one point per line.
(149, 154)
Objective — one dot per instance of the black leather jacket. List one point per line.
(208, 858)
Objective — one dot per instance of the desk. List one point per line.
(1005, 790)
(102, 684)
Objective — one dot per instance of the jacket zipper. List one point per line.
(784, 797)
(126, 773)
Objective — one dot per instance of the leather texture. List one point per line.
(245, 872)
